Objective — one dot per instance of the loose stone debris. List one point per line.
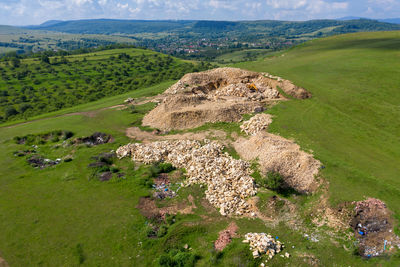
(222, 94)
(277, 154)
(228, 180)
(373, 228)
(262, 243)
(256, 124)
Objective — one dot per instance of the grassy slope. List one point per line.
(57, 217)
(351, 123)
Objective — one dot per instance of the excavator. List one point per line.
(252, 87)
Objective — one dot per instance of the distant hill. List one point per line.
(392, 20)
(50, 23)
(110, 26)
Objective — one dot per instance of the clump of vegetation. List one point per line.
(274, 181)
(177, 257)
(102, 167)
(42, 138)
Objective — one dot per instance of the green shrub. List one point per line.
(274, 181)
(114, 170)
(166, 167)
(162, 231)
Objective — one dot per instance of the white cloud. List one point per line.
(37, 11)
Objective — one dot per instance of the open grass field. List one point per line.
(352, 121)
(64, 216)
(243, 55)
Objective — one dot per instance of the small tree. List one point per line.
(274, 181)
(45, 59)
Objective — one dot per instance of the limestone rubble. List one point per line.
(228, 180)
(262, 243)
(256, 124)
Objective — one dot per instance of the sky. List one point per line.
(32, 12)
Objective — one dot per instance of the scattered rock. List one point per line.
(228, 180)
(222, 94)
(262, 243)
(256, 124)
(225, 236)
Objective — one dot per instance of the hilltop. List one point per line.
(330, 105)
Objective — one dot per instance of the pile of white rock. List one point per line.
(228, 180)
(279, 79)
(262, 243)
(246, 90)
(256, 124)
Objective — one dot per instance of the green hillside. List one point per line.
(64, 215)
(37, 85)
(352, 121)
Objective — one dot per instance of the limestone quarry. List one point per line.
(225, 95)
(222, 94)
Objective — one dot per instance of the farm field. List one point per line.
(64, 215)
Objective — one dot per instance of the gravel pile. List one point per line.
(256, 124)
(246, 90)
(262, 243)
(228, 180)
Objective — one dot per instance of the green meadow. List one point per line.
(65, 216)
(352, 121)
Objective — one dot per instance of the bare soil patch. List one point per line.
(149, 209)
(277, 154)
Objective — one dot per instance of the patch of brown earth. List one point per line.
(335, 218)
(225, 236)
(139, 135)
(373, 228)
(277, 154)
(222, 94)
(148, 208)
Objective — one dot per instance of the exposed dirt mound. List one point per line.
(223, 94)
(278, 154)
(225, 236)
(373, 227)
